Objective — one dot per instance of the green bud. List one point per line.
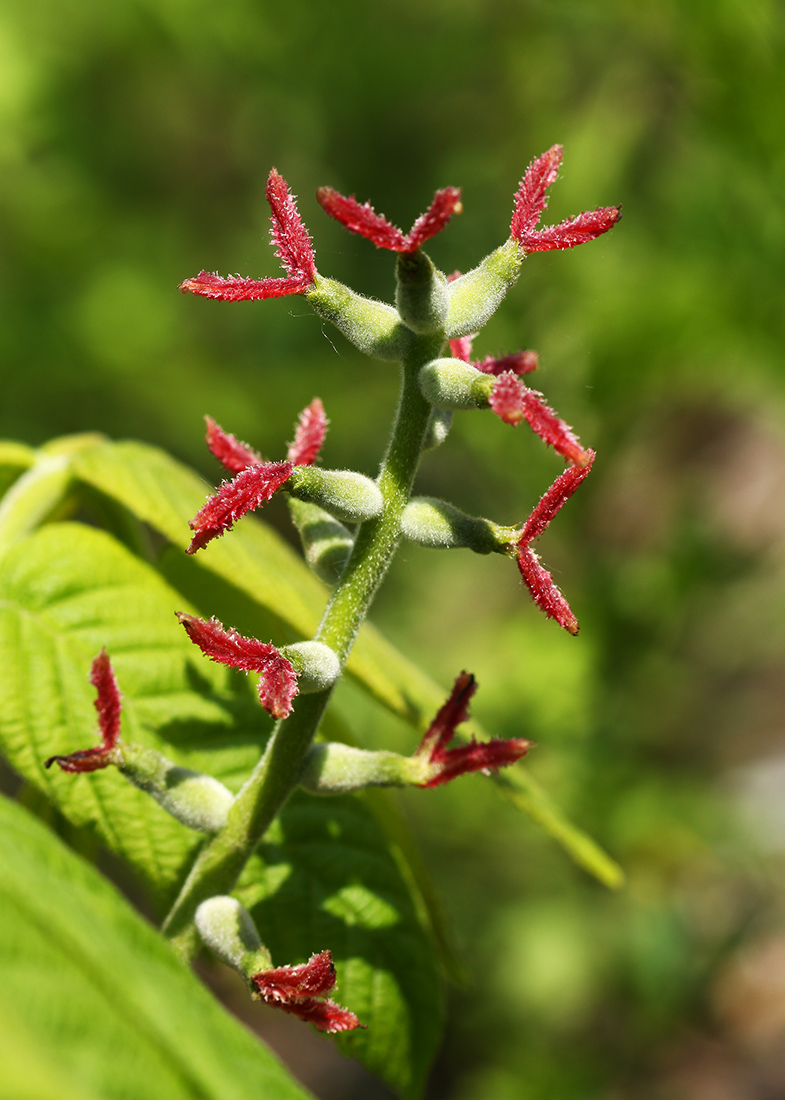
(453, 384)
(327, 544)
(198, 801)
(439, 525)
(227, 928)
(421, 295)
(439, 424)
(348, 496)
(476, 296)
(373, 327)
(335, 769)
(317, 666)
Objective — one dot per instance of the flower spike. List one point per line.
(107, 703)
(536, 577)
(514, 402)
(278, 682)
(294, 989)
(531, 199)
(447, 764)
(362, 218)
(292, 247)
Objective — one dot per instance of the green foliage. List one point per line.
(324, 874)
(102, 1009)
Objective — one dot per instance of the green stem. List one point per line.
(220, 863)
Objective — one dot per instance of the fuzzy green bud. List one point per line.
(349, 496)
(439, 525)
(327, 544)
(227, 928)
(439, 424)
(421, 295)
(453, 384)
(333, 768)
(196, 800)
(317, 666)
(373, 327)
(475, 296)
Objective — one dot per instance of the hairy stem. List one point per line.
(220, 863)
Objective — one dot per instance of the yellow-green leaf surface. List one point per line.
(324, 876)
(65, 592)
(254, 560)
(69, 589)
(99, 1006)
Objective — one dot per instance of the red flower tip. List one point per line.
(536, 577)
(248, 490)
(461, 348)
(107, 703)
(531, 199)
(228, 449)
(235, 288)
(290, 237)
(544, 592)
(447, 763)
(292, 247)
(278, 680)
(294, 989)
(514, 402)
(362, 218)
(309, 435)
(520, 362)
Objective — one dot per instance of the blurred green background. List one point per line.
(135, 141)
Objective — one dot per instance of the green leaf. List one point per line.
(258, 563)
(324, 877)
(14, 459)
(102, 1008)
(65, 592)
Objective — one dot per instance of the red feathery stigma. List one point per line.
(107, 703)
(248, 490)
(278, 683)
(573, 231)
(311, 979)
(309, 435)
(461, 348)
(362, 218)
(536, 577)
(531, 199)
(234, 455)
(554, 500)
(235, 288)
(294, 989)
(291, 238)
(450, 763)
(514, 402)
(292, 247)
(520, 362)
(544, 592)
(445, 203)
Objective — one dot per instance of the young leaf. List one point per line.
(88, 978)
(324, 876)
